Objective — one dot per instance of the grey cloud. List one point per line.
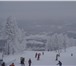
(38, 10)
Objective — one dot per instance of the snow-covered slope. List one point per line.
(48, 59)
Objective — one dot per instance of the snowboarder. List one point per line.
(29, 62)
(12, 64)
(35, 55)
(59, 63)
(3, 64)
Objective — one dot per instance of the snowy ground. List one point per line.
(48, 59)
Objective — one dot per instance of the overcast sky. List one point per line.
(40, 16)
(38, 10)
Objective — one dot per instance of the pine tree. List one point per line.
(11, 34)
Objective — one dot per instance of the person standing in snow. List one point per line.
(59, 63)
(38, 58)
(71, 54)
(12, 64)
(35, 55)
(29, 62)
(22, 60)
(57, 55)
(3, 64)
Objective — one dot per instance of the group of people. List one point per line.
(57, 55)
(59, 62)
(3, 64)
(22, 60)
(37, 55)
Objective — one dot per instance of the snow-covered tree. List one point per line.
(13, 36)
(10, 34)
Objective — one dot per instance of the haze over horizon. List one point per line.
(41, 16)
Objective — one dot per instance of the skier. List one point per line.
(12, 64)
(22, 60)
(3, 64)
(71, 54)
(59, 63)
(29, 62)
(35, 55)
(57, 55)
(38, 58)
